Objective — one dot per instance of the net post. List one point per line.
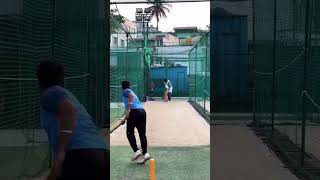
(212, 35)
(195, 75)
(52, 57)
(127, 36)
(189, 79)
(205, 74)
(305, 70)
(253, 63)
(274, 64)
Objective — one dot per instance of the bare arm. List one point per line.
(67, 115)
(130, 101)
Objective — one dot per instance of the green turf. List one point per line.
(171, 163)
(116, 113)
(17, 162)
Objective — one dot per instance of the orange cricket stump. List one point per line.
(152, 177)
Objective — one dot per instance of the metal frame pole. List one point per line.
(254, 88)
(195, 75)
(189, 79)
(147, 46)
(274, 64)
(205, 80)
(144, 56)
(52, 58)
(305, 73)
(167, 1)
(127, 34)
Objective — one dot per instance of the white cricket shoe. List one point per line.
(144, 158)
(135, 155)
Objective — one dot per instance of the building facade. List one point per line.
(120, 39)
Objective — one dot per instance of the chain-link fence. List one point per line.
(71, 32)
(286, 45)
(125, 64)
(273, 47)
(199, 74)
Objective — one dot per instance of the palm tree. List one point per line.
(159, 9)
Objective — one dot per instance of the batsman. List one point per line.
(135, 118)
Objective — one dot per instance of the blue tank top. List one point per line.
(136, 104)
(85, 134)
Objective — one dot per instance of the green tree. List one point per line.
(115, 22)
(159, 9)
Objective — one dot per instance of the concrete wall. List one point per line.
(170, 39)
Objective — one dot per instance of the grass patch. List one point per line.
(18, 162)
(171, 163)
(116, 113)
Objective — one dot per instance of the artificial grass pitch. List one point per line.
(19, 162)
(171, 163)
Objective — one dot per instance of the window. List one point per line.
(115, 41)
(122, 43)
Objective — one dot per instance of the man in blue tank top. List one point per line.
(136, 118)
(79, 151)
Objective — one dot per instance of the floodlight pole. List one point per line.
(145, 46)
(147, 67)
(144, 57)
(147, 42)
(144, 39)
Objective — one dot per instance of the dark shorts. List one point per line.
(86, 164)
(137, 119)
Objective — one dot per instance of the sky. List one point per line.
(181, 15)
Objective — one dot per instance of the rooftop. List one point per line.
(186, 28)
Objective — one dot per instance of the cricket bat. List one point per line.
(116, 125)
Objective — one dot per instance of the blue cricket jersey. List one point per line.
(85, 134)
(136, 104)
